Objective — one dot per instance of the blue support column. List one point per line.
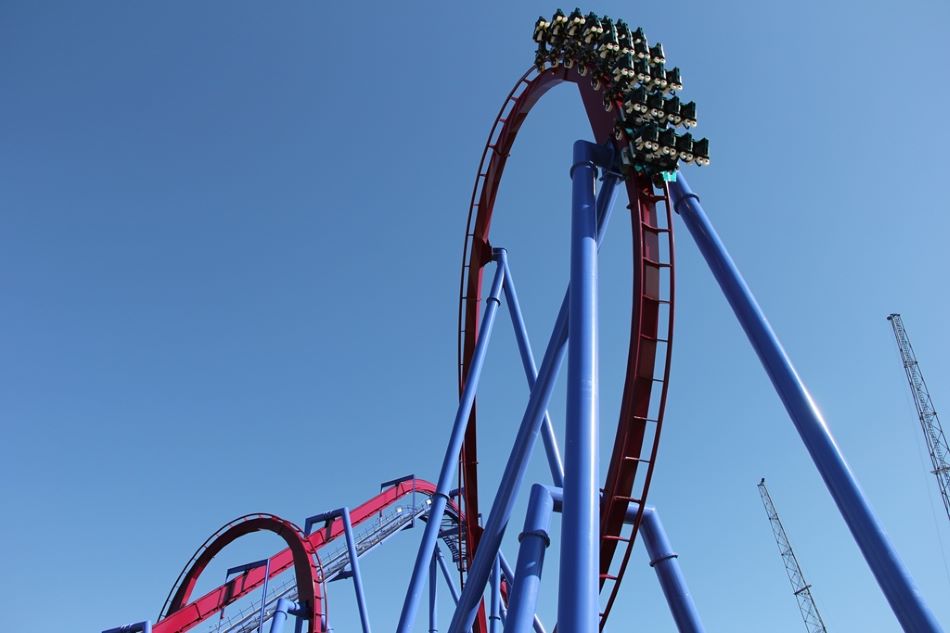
(495, 614)
(895, 581)
(510, 577)
(284, 606)
(433, 593)
(450, 460)
(578, 587)
(663, 561)
(355, 568)
(448, 577)
(513, 475)
(523, 600)
(531, 370)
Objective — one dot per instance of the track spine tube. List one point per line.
(579, 586)
(894, 579)
(450, 460)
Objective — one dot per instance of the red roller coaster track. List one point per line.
(180, 615)
(647, 378)
(651, 328)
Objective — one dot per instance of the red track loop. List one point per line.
(300, 551)
(178, 615)
(651, 329)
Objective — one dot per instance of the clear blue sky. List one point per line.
(229, 247)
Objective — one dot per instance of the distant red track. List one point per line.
(650, 347)
(179, 614)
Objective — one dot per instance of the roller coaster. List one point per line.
(637, 121)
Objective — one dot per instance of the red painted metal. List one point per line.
(651, 289)
(300, 553)
(178, 615)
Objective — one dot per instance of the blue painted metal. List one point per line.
(448, 576)
(895, 581)
(511, 480)
(138, 627)
(355, 569)
(530, 368)
(663, 560)
(327, 519)
(510, 577)
(450, 460)
(283, 608)
(494, 617)
(433, 593)
(513, 475)
(579, 586)
(523, 600)
(243, 569)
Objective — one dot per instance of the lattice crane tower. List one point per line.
(929, 422)
(801, 589)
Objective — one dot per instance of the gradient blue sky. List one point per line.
(229, 245)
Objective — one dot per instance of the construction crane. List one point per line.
(801, 589)
(929, 422)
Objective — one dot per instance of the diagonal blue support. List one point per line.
(895, 581)
(531, 423)
(450, 460)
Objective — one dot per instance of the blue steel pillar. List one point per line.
(433, 593)
(495, 617)
(284, 606)
(355, 568)
(448, 576)
(895, 581)
(450, 459)
(555, 463)
(579, 586)
(663, 562)
(531, 422)
(510, 577)
(523, 600)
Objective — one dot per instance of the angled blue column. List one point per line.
(433, 593)
(663, 562)
(494, 618)
(448, 577)
(579, 586)
(895, 581)
(450, 460)
(510, 577)
(355, 568)
(523, 599)
(531, 423)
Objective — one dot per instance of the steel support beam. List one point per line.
(579, 586)
(450, 460)
(895, 581)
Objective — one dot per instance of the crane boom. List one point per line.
(801, 589)
(929, 422)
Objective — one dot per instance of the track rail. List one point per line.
(650, 347)
(180, 613)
